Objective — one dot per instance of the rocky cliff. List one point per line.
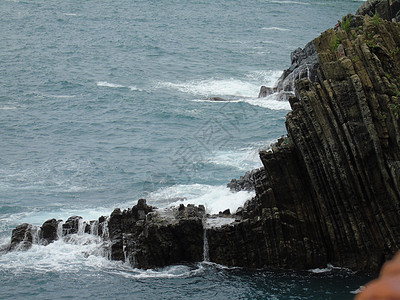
(329, 192)
(387, 9)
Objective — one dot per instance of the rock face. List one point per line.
(23, 236)
(244, 183)
(71, 226)
(150, 238)
(330, 193)
(387, 9)
(48, 231)
(304, 64)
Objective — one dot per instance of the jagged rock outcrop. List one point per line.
(331, 190)
(150, 238)
(71, 226)
(22, 237)
(48, 231)
(387, 9)
(244, 183)
(304, 64)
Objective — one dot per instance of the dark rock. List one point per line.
(116, 235)
(126, 222)
(102, 226)
(244, 183)
(304, 65)
(158, 238)
(168, 238)
(386, 9)
(22, 237)
(71, 226)
(266, 91)
(226, 212)
(48, 231)
(216, 99)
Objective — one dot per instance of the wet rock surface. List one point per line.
(154, 238)
(48, 231)
(22, 237)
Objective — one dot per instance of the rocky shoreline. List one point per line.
(329, 191)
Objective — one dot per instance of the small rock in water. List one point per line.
(217, 99)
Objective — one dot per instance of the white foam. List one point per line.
(69, 254)
(4, 243)
(243, 159)
(214, 198)
(62, 96)
(218, 222)
(290, 2)
(265, 77)
(270, 102)
(37, 217)
(177, 271)
(8, 108)
(275, 28)
(215, 101)
(320, 270)
(222, 87)
(110, 85)
(132, 88)
(329, 268)
(357, 291)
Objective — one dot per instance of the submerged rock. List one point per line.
(217, 99)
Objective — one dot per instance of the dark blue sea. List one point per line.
(106, 102)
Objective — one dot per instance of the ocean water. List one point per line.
(103, 103)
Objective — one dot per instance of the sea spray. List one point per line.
(206, 250)
(36, 230)
(94, 227)
(60, 229)
(81, 226)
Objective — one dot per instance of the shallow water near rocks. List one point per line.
(105, 103)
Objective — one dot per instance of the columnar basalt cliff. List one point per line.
(329, 192)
